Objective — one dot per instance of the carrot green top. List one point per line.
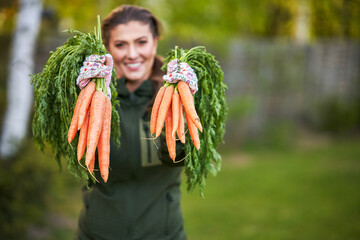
(55, 95)
(211, 107)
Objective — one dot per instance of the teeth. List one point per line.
(133, 65)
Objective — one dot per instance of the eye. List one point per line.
(142, 42)
(119, 45)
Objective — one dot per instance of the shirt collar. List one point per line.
(144, 90)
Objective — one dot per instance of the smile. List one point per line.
(133, 66)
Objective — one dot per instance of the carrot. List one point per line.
(88, 94)
(170, 141)
(92, 165)
(188, 102)
(104, 142)
(181, 127)
(155, 109)
(97, 110)
(83, 137)
(74, 121)
(164, 106)
(193, 131)
(175, 112)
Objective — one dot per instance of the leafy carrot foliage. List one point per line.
(211, 106)
(55, 95)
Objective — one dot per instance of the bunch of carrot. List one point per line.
(168, 109)
(210, 105)
(92, 117)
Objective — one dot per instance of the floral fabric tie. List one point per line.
(181, 71)
(96, 66)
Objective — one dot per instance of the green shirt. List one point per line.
(141, 199)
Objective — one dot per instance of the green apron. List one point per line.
(141, 199)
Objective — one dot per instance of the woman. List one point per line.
(141, 199)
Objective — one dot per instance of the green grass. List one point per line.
(307, 193)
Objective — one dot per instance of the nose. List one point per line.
(132, 51)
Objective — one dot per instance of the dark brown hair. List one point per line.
(127, 13)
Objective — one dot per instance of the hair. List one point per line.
(125, 14)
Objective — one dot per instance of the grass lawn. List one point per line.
(310, 192)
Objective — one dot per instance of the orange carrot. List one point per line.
(193, 131)
(74, 121)
(181, 127)
(92, 165)
(188, 102)
(164, 106)
(104, 142)
(83, 137)
(175, 112)
(155, 109)
(97, 110)
(88, 94)
(170, 141)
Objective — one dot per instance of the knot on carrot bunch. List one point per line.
(181, 71)
(96, 66)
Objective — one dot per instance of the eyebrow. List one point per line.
(139, 38)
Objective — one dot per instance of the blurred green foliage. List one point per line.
(206, 22)
(8, 11)
(240, 107)
(335, 18)
(25, 184)
(210, 21)
(337, 116)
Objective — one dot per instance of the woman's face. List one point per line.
(133, 48)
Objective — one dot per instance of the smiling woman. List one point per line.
(141, 198)
(131, 35)
(133, 48)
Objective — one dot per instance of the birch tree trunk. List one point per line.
(302, 27)
(19, 89)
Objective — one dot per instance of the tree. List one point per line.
(19, 90)
(336, 18)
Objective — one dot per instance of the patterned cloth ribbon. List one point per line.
(96, 66)
(181, 71)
